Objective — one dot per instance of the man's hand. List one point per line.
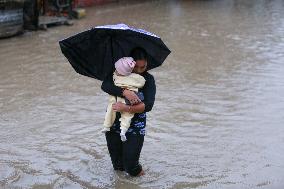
(131, 96)
(119, 107)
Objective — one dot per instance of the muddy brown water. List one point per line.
(218, 119)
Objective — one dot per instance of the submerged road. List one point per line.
(219, 111)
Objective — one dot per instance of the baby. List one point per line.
(124, 78)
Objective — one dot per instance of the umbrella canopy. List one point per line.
(93, 52)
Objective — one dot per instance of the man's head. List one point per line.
(140, 57)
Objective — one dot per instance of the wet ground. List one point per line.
(218, 117)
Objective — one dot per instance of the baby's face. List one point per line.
(140, 66)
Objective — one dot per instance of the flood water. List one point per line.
(218, 119)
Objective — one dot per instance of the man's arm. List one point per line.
(121, 107)
(149, 91)
(109, 87)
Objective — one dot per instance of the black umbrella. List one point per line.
(93, 52)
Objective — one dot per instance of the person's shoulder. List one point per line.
(148, 76)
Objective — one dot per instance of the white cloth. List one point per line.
(131, 82)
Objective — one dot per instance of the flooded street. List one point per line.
(218, 119)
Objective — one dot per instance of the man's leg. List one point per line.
(115, 149)
(131, 154)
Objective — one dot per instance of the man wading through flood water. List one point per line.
(125, 155)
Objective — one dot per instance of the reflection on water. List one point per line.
(218, 117)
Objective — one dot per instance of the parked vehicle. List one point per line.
(11, 17)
